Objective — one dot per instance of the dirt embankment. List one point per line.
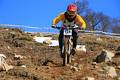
(42, 62)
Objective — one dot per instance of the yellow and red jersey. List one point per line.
(78, 20)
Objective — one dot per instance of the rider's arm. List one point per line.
(57, 19)
(80, 22)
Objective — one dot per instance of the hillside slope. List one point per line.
(42, 62)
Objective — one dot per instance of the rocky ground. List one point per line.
(41, 62)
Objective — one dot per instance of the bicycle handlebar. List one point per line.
(74, 27)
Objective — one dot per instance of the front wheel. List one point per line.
(65, 58)
(67, 51)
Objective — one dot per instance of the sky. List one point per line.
(39, 13)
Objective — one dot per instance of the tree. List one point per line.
(116, 26)
(82, 7)
(95, 21)
(104, 21)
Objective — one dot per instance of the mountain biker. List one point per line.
(69, 18)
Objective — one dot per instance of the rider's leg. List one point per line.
(75, 37)
(60, 41)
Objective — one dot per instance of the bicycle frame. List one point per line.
(67, 44)
(67, 49)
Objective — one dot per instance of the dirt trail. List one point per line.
(44, 63)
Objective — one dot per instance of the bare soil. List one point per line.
(44, 62)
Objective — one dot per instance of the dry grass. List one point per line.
(44, 63)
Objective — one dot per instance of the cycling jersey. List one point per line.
(65, 22)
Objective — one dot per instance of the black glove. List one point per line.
(53, 26)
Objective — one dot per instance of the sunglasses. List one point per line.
(71, 13)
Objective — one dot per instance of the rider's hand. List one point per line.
(76, 30)
(81, 28)
(63, 27)
(53, 26)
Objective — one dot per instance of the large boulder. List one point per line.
(118, 50)
(81, 48)
(110, 71)
(2, 58)
(3, 64)
(104, 56)
(47, 41)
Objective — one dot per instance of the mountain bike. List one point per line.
(67, 43)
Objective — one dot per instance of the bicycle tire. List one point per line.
(65, 58)
(69, 51)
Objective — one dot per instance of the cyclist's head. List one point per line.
(72, 10)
